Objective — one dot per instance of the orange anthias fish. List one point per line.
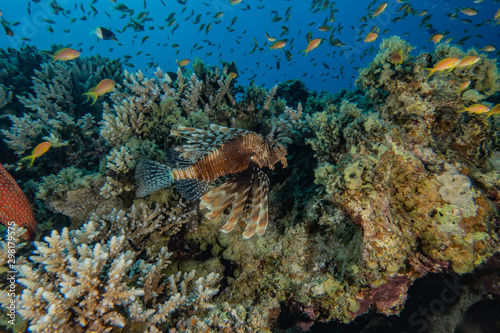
(211, 154)
(493, 110)
(463, 85)
(277, 45)
(469, 11)
(372, 36)
(312, 45)
(14, 205)
(436, 38)
(476, 108)
(380, 9)
(103, 87)
(183, 62)
(447, 63)
(467, 61)
(64, 54)
(37, 152)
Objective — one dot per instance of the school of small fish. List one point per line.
(276, 37)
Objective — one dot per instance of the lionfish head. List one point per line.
(270, 153)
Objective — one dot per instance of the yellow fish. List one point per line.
(269, 38)
(103, 87)
(436, 38)
(494, 110)
(463, 85)
(476, 108)
(447, 63)
(37, 152)
(469, 11)
(467, 61)
(183, 62)
(64, 54)
(380, 9)
(312, 45)
(371, 37)
(277, 45)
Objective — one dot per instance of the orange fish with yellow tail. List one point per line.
(15, 206)
(64, 54)
(103, 87)
(447, 63)
(209, 155)
(312, 45)
(39, 150)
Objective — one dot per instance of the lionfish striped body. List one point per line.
(209, 155)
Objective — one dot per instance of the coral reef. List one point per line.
(385, 184)
(77, 281)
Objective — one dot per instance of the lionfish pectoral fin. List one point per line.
(191, 189)
(152, 176)
(259, 213)
(263, 216)
(239, 201)
(217, 200)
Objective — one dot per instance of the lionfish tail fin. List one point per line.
(259, 214)
(152, 176)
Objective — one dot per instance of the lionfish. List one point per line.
(209, 155)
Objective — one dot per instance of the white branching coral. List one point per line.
(222, 91)
(78, 282)
(292, 125)
(141, 223)
(55, 104)
(190, 104)
(183, 292)
(5, 96)
(76, 287)
(269, 98)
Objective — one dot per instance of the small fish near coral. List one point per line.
(103, 87)
(64, 54)
(14, 205)
(211, 154)
(39, 150)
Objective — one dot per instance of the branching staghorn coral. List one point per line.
(142, 223)
(190, 104)
(56, 102)
(5, 96)
(75, 283)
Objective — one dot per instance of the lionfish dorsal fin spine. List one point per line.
(202, 142)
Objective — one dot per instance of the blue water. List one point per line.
(252, 23)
